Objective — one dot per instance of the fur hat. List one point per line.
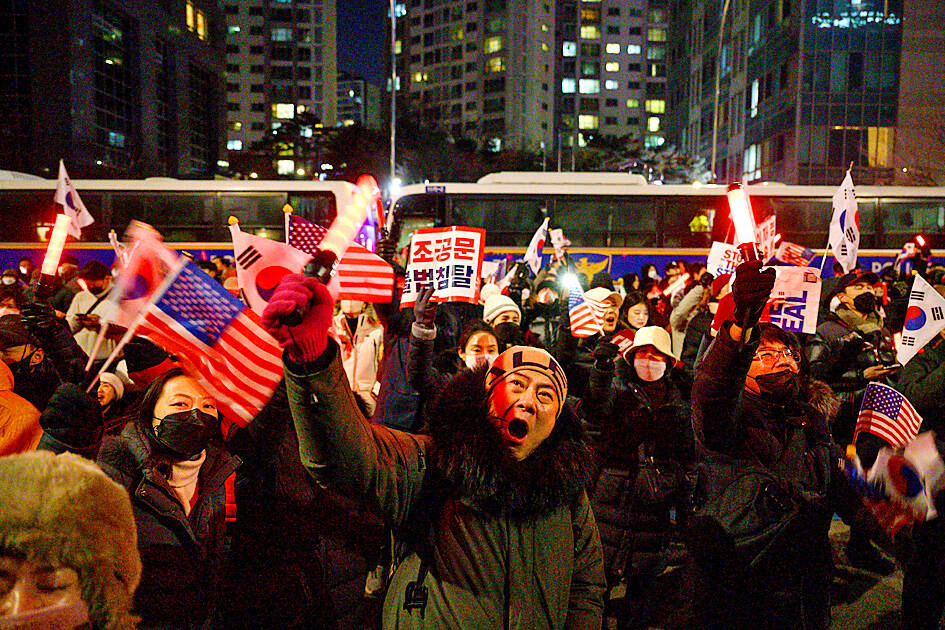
(115, 381)
(527, 358)
(63, 509)
(496, 305)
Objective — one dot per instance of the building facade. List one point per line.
(114, 89)
(280, 65)
(359, 101)
(805, 90)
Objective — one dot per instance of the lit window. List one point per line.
(492, 44)
(880, 141)
(234, 145)
(417, 77)
(544, 46)
(755, 97)
(567, 86)
(397, 47)
(612, 66)
(544, 28)
(590, 31)
(656, 106)
(457, 33)
(589, 86)
(283, 110)
(568, 49)
(651, 142)
(586, 121)
(752, 162)
(282, 34)
(613, 49)
(196, 21)
(236, 126)
(232, 29)
(656, 35)
(285, 167)
(610, 85)
(633, 49)
(495, 64)
(653, 123)
(632, 103)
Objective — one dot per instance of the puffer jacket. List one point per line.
(922, 381)
(793, 441)
(183, 557)
(481, 541)
(19, 420)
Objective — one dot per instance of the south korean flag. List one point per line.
(925, 318)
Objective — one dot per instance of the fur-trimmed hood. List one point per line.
(475, 463)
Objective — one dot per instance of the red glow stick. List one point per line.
(57, 241)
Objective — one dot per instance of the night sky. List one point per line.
(361, 37)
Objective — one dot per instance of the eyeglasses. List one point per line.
(770, 356)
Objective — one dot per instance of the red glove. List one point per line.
(307, 341)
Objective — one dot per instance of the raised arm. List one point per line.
(377, 466)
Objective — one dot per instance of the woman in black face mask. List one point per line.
(172, 461)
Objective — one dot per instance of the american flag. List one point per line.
(887, 414)
(585, 314)
(218, 339)
(794, 254)
(361, 274)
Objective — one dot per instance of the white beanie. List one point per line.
(115, 381)
(496, 305)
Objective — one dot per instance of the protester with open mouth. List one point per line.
(492, 525)
(577, 355)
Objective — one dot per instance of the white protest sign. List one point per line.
(450, 259)
(794, 299)
(723, 258)
(489, 268)
(766, 236)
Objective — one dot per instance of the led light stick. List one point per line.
(678, 285)
(57, 241)
(368, 182)
(344, 228)
(744, 221)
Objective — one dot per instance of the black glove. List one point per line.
(424, 310)
(73, 417)
(386, 248)
(604, 355)
(750, 292)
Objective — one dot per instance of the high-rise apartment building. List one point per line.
(280, 64)
(611, 70)
(805, 89)
(359, 101)
(115, 89)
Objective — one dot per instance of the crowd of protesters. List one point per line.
(455, 465)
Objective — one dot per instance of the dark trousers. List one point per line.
(923, 588)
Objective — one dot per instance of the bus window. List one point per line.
(21, 212)
(509, 222)
(615, 221)
(902, 219)
(179, 216)
(689, 221)
(319, 208)
(801, 221)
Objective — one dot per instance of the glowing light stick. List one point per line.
(920, 240)
(368, 182)
(744, 221)
(57, 241)
(678, 285)
(344, 228)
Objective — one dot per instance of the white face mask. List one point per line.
(473, 361)
(652, 274)
(649, 370)
(23, 270)
(7, 280)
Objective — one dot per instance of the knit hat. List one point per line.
(487, 291)
(526, 358)
(115, 381)
(602, 279)
(145, 361)
(496, 305)
(64, 510)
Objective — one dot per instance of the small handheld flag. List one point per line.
(845, 225)
(925, 318)
(535, 247)
(887, 414)
(584, 313)
(68, 197)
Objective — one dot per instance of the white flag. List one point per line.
(845, 225)
(260, 265)
(925, 318)
(68, 198)
(533, 253)
(559, 241)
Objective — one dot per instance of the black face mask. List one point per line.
(185, 433)
(510, 334)
(865, 302)
(781, 386)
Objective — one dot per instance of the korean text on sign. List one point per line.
(450, 259)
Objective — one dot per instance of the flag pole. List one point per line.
(823, 260)
(158, 294)
(98, 344)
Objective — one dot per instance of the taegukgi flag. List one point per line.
(535, 247)
(68, 198)
(261, 263)
(845, 225)
(925, 318)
